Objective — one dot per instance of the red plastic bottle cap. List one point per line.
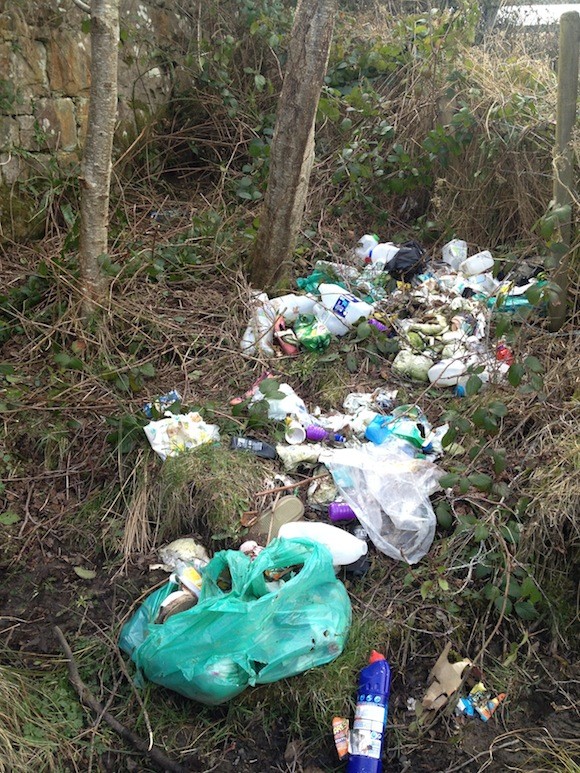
(376, 656)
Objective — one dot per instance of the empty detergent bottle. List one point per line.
(343, 309)
(344, 547)
(375, 254)
(370, 718)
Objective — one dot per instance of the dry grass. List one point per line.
(186, 323)
(29, 737)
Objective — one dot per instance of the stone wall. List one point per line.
(45, 76)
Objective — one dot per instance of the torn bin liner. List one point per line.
(244, 630)
(389, 492)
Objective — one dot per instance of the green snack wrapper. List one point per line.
(311, 333)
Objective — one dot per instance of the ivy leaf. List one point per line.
(514, 589)
(66, 361)
(478, 417)
(499, 604)
(534, 295)
(259, 81)
(491, 592)
(530, 590)
(363, 331)
(498, 409)
(351, 363)
(464, 485)
(511, 533)
(515, 374)
(481, 571)
(449, 437)
(449, 480)
(9, 517)
(387, 345)
(473, 385)
(526, 610)
(270, 388)
(444, 515)
(503, 326)
(533, 364)
(499, 461)
(481, 481)
(481, 532)
(85, 574)
(463, 424)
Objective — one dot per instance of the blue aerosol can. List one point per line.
(370, 718)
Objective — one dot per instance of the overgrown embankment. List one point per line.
(420, 135)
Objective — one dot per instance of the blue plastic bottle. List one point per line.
(370, 719)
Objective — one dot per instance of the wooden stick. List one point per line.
(88, 699)
(291, 485)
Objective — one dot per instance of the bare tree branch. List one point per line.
(87, 698)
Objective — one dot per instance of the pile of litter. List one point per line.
(273, 606)
(442, 342)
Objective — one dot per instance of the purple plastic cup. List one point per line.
(316, 433)
(340, 511)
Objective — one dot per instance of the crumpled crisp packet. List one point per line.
(178, 433)
(312, 334)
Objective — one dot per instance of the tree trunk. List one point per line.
(96, 164)
(292, 151)
(564, 156)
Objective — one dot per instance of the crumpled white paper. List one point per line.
(177, 433)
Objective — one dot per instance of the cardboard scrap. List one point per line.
(446, 678)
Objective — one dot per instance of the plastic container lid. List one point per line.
(288, 508)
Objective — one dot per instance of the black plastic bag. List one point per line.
(409, 260)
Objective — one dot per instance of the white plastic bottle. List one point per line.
(381, 255)
(346, 307)
(378, 255)
(454, 253)
(480, 263)
(344, 547)
(483, 283)
(291, 306)
(365, 245)
(260, 332)
(330, 320)
(446, 372)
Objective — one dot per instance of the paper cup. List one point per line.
(295, 433)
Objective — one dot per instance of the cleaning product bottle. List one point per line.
(344, 547)
(375, 254)
(370, 719)
(347, 308)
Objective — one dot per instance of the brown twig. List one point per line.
(88, 699)
(291, 485)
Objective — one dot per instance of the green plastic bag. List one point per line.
(254, 633)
